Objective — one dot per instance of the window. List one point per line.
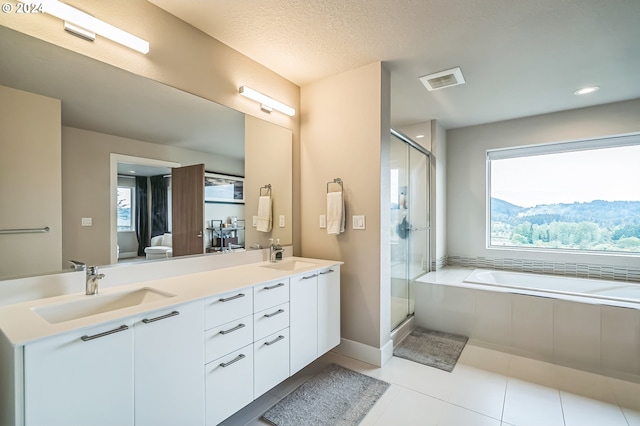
(582, 196)
(126, 208)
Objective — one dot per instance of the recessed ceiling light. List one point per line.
(586, 90)
(419, 136)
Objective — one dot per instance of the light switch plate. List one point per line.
(87, 221)
(358, 222)
(255, 222)
(323, 221)
(281, 221)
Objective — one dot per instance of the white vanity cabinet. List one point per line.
(168, 360)
(328, 309)
(228, 341)
(84, 377)
(271, 335)
(315, 315)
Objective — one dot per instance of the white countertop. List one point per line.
(21, 325)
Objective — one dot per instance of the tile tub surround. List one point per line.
(583, 334)
(580, 270)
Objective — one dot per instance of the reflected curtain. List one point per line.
(159, 205)
(142, 214)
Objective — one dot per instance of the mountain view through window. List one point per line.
(586, 200)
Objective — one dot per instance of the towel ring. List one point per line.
(336, 181)
(267, 189)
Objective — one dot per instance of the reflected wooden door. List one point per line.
(187, 209)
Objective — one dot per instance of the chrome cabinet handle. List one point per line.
(86, 338)
(169, 315)
(231, 330)
(327, 272)
(228, 299)
(308, 277)
(271, 287)
(278, 312)
(277, 339)
(236, 359)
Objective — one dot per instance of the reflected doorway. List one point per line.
(409, 183)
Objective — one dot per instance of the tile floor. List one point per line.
(486, 388)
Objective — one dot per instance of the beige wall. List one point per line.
(466, 169)
(180, 56)
(268, 151)
(346, 134)
(86, 174)
(30, 184)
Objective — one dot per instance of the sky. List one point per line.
(611, 174)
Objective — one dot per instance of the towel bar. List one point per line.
(267, 189)
(25, 230)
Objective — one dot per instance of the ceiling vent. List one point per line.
(442, 79)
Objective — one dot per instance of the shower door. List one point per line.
(409, 223)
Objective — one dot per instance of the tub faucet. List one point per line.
(92, 280)
(275, 252)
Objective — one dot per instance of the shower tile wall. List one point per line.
(581, 270)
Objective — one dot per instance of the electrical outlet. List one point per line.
(281, 221)
(255, 222)
(323, 221)
(87, 221)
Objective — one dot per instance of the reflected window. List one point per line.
(126, 208)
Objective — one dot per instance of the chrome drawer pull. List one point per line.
(277, 339)
(279, 311)
(228, 299)
(309, 277)
(106, 333)
(172, 314)
(236, 359)
(271, 287)
(327, 272)
(231, 330)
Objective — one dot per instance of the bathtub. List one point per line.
(581, 287)
(589, 324)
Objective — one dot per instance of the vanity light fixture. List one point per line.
(267, 104)
(86, 26)
(586, 90)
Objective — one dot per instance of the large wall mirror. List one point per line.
(115, 128)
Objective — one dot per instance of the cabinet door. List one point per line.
(81, 378)
(270, 361)
(303, 308)
(229, 383)
(169, 362)
(328, 309)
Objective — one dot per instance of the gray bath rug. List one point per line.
(432, 348)
(335, 396)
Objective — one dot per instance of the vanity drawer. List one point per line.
(228, 337)
(228, 384)
(271, 293)
(224, 308)
(270, 320)
(271, 361)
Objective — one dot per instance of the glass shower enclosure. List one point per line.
(409, 182)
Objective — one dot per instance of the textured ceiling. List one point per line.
(519, 58)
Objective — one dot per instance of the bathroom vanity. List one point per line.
(191, 350)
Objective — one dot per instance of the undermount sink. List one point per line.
(98, 304)
(289, 265)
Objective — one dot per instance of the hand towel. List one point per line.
(335, 213)
(264, 214)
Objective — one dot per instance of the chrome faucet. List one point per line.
(92, 280)
(275, 249)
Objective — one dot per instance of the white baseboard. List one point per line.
(365, 353)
